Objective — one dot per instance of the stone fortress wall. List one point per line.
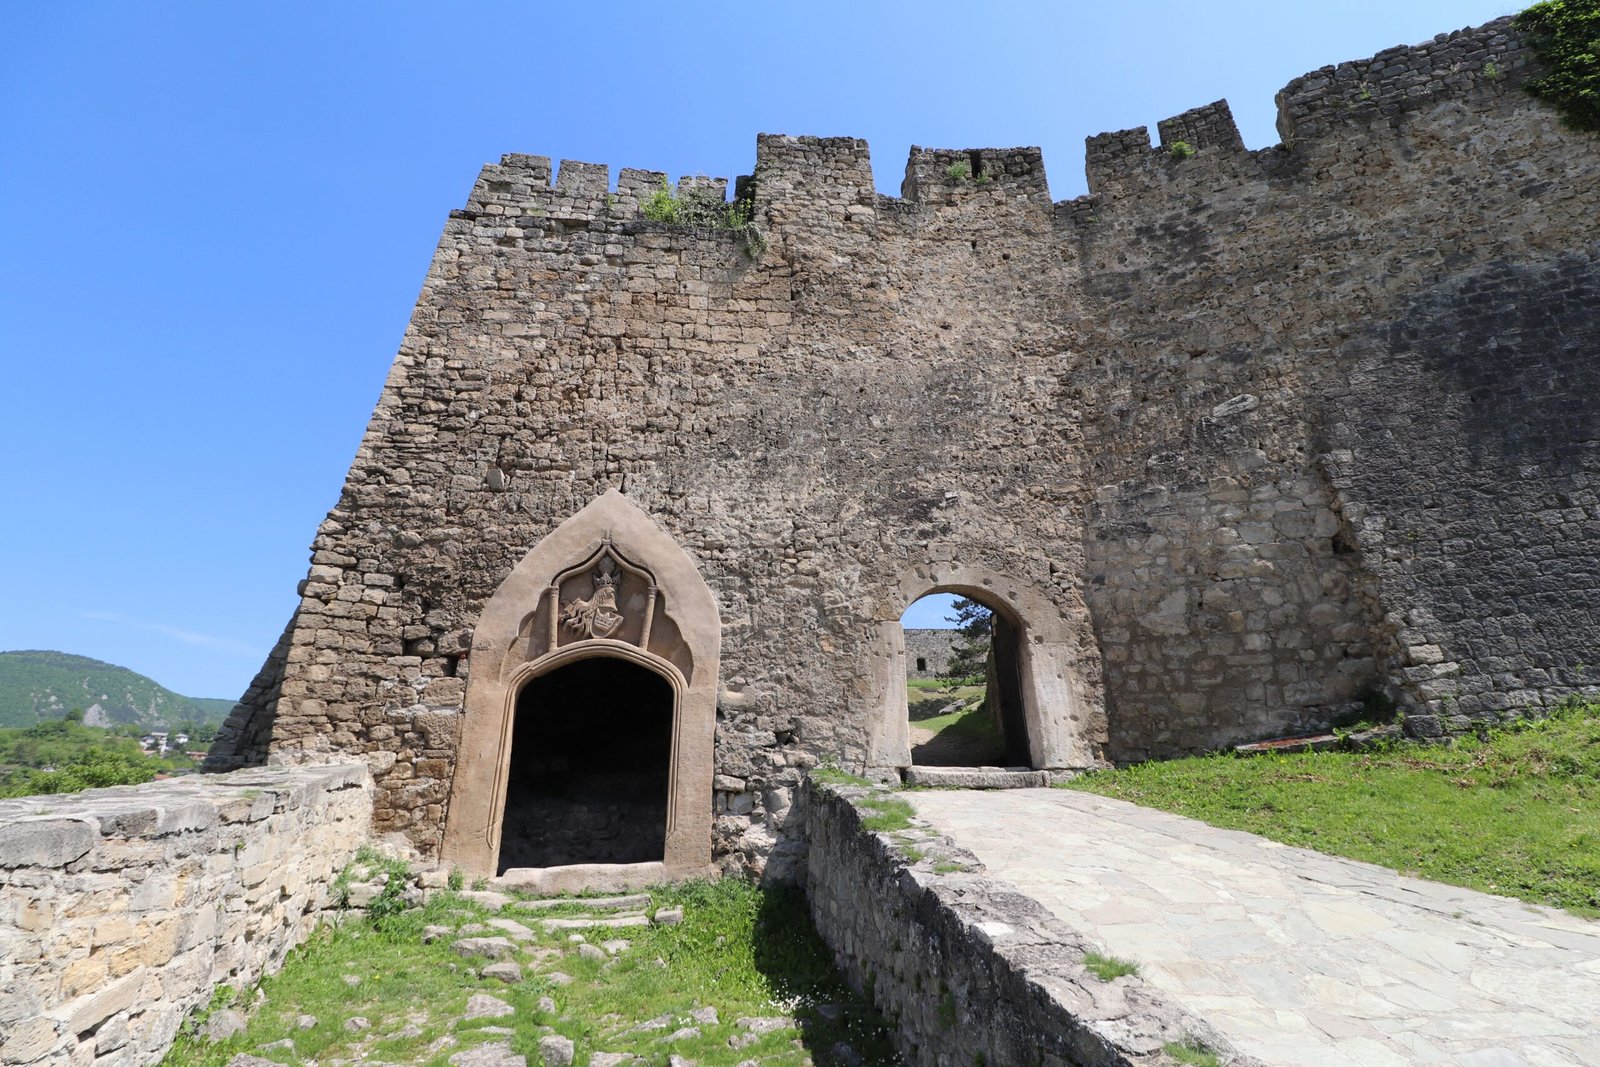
(928, 652)
(121, 909)
(1237, 440)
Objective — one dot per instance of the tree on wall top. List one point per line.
(970, 655)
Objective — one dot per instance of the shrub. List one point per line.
(1565, 34)
(701, 207)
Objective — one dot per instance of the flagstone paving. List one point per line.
(1297, 957)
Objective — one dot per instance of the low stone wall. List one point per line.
(965, 968)
(122, 909)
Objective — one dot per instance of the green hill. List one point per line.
(40, 686)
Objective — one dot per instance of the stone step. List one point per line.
(976, 777)
(580, 877)
(583, 922)
(632, 902)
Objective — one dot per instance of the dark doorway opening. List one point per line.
(591, 751)
(973, 713)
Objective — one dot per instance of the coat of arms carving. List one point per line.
(598, 615)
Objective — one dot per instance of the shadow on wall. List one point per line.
(246, 734)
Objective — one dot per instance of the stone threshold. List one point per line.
(581, 877)
(976, 777)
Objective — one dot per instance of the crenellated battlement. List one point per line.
(521, 185)
(800, 178)
(932, 174)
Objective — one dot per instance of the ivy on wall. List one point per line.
(1566, 36)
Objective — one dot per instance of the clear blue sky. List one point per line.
(215, 217)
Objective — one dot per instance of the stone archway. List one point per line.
(1062, 730)
(607, 583)
(999, 734)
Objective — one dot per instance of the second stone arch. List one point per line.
(1036, 676)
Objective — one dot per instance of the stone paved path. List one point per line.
(1299, 958)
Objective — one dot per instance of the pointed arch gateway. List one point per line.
(604, 635)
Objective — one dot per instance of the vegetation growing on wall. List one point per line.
(702, 207)
(1566, 36)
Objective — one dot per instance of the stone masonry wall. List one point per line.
(122, 909)
(1294, 506)
(929, 647)
(1268, 432)
(965, 968)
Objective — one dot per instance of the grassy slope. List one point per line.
(29, 679)
(741, 950)
(967, 731)
(1515, 813)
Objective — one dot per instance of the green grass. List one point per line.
(923, 703)
(1191, 1052)
(1106, 968)
(966, 735)
(742, 950)
(910, 851)
(889, 813)
(974, 725)
(835, 776)
(1515, 812)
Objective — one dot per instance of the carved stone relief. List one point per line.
(598, 616)
(608, 582)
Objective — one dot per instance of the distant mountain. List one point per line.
(36, 686)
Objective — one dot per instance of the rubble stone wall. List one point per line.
(122, 909)
(1261, 436)
(931, 649)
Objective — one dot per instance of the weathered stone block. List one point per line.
(46, 841)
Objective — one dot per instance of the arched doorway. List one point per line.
(568, 663)
(590, 766)
(968, 710)
(1043, 651)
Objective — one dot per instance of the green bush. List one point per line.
(702, 207)
(1566, 36)
(65, 756)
